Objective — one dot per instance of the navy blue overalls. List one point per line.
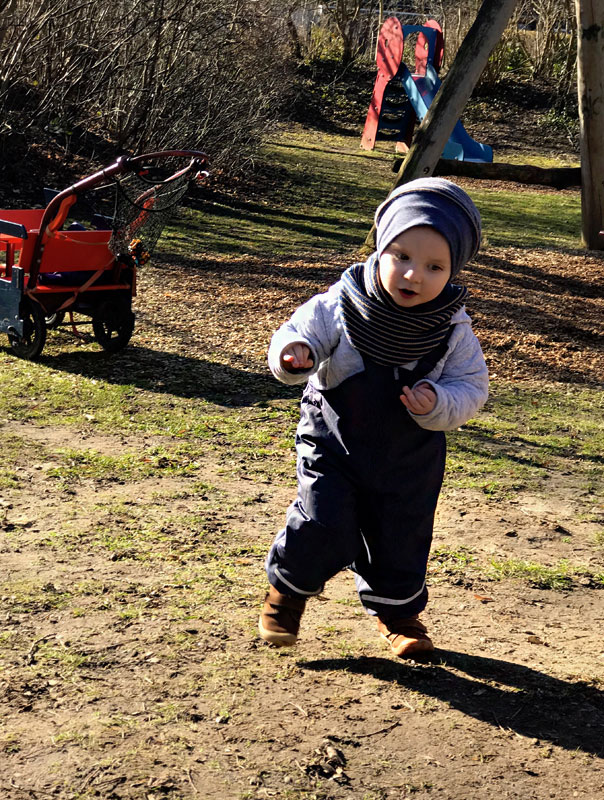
(368, 484)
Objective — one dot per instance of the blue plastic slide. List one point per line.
(421, 90)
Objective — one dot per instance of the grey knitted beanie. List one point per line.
(438, 203)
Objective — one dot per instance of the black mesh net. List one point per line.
(143, 204)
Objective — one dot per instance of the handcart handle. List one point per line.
(56, 211)
(13, 229)
(133, 162)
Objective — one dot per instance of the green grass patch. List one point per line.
(459, 564)
(529, 219)
(146, 530)
(324, 195)
(65, 660)
(562, 576)
(150, 530)
(37, 394)
(24, 597)
(323, 200)
(11, 447)
(525, 434)
(83, 465)
(538, 160)
(8, 478)
(451, 563)
(562, 420)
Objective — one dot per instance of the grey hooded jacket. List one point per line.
(460, 379)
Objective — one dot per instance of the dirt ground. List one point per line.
(142, 677)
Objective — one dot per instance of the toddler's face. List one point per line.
(416, 266)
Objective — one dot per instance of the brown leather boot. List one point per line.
(279, 621)
(406, 637)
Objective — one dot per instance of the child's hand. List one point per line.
(296, 356)
(420, 400)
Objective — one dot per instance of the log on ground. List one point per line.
(556, 177)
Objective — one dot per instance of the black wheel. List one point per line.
(29, 345)
(54, 320)
(113, 323)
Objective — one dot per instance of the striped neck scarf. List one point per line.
(389, 334)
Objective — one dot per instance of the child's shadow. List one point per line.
(504, 694)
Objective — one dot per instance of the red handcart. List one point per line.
(51, 264)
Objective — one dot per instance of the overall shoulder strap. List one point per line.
(426, 363)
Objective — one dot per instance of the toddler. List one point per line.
(391, 363)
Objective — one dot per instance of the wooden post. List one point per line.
(454, 93)
(590, 87)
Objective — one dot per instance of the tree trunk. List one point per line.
(293, 36)
(454, 93)
(556, 177)
(590, 86)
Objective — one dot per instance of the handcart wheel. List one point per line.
(54, 320)
(113, 324)
(29, 345)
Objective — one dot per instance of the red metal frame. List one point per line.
(48, 249)
(389, 56)
(421, 49)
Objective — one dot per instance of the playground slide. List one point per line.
(387, 116)
(421, 90)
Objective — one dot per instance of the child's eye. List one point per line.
(436, 267)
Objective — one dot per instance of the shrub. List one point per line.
(145, 74)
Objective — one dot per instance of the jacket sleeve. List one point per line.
(462, 387)
(315, 324)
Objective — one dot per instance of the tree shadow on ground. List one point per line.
(190, 376)
(171, 374)
(533, 278)
(224, 205)
(273, 226)
(531, 703)
(549, 308)
(533, 456)
(257, 272)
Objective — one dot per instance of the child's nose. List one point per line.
(410, 273)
